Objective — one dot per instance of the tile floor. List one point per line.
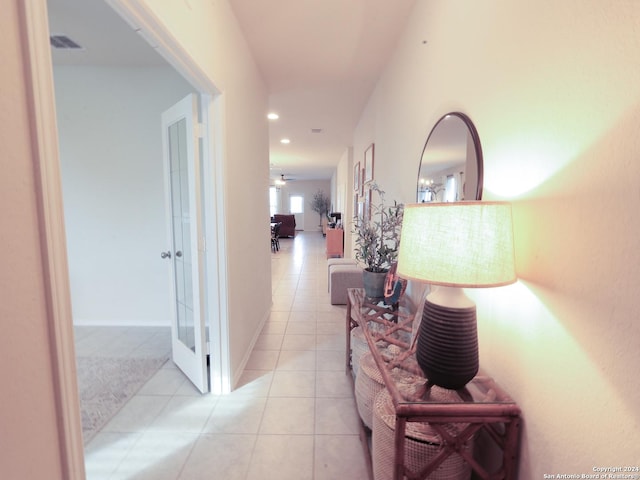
(292, 416)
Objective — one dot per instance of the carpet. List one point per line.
(105, 384)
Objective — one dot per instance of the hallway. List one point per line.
(292, 415)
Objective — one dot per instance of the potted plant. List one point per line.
(377, 240)
(321, 205)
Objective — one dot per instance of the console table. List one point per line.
(482, 406)
(335, 242)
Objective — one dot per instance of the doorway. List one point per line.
(296, 207)
(35, 23)
(183, 201)
(131, 192)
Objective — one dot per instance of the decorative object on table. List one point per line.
(321, 204)
(453, 246)
(337, 219)
(394, 286)
(377, 239)
(368, 164)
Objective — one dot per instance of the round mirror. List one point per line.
(451, 162)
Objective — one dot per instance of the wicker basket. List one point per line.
(359, 347)
(369, 383)
(422, 444)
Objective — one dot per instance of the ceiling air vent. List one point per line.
(63, 42)
(316, 130)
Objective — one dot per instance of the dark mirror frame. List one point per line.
(477, 147)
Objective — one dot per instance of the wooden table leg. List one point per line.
(398, 465)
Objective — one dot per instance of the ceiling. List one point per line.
(319, 58)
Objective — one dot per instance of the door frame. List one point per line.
(33, 20)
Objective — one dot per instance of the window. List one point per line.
(273, 201)
(296, 204)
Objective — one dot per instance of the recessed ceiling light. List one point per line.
(273, 116)
(285, 140)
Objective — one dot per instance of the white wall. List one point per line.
(344, 178)
(553, 89)
(28, 397)
(306, 188)
(209, 33)
(111, 158)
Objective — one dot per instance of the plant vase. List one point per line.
(373, 283)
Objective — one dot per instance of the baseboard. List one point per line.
(237, 374)
(127, 322)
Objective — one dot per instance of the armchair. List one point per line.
(288, 227)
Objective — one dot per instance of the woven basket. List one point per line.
(422, 444)
(369, 383)
(359, 347)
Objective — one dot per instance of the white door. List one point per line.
(296, 206)
(184, 236)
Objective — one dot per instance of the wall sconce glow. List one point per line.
(285, 141)
(273, 116)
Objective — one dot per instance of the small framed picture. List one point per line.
(367, 205)
(368, 164)
(356, 177)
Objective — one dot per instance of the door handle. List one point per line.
(165, 255)
(179, 253)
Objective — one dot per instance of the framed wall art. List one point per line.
(356, 177)
(368, 164)
(367, 205)
(355, 204)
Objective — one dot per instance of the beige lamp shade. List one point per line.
(463, 244)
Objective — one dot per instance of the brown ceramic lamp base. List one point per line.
(447, 347)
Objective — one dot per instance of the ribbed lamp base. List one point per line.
(447, 347)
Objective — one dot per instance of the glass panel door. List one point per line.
(181, 232)
(182, 187)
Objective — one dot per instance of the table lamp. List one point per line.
(454, 246)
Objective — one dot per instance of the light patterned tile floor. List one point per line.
(292, 415)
